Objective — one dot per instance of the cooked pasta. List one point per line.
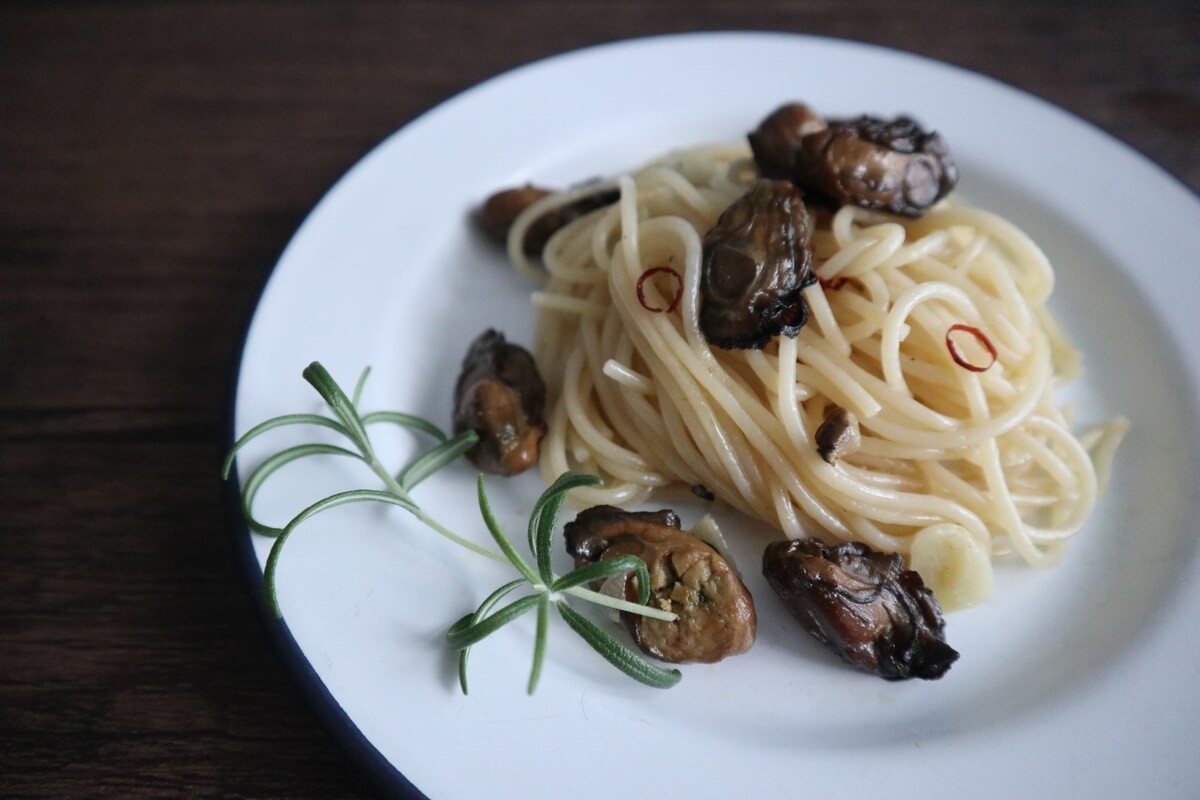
(901, 327)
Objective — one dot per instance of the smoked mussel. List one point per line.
(862, 605)
(500, 395)
(716, 616)
(757, 260)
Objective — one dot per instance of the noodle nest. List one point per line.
(980, 463)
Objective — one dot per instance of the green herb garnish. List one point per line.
(547, 589)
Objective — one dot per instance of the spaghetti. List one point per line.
(982, 455)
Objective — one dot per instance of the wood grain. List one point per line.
(154, 159)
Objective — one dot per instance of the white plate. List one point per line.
(1076, 682)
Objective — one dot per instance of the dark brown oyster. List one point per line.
(501, 396)
(888, 165)
(838, 435)
(862, 605)
(757, 260)
(498, 212)
(776, 140)
(687, 577)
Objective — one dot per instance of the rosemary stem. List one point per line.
(396, 489)
(436, 526)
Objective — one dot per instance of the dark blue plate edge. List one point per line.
(357, 747)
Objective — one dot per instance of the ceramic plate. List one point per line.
(1073, 682)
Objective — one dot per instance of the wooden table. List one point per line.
(154, 160)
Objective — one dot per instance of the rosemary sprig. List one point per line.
(547, 588)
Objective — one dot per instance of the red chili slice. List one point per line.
(979, 337)
(641, 294)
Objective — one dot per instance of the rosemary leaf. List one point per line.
(278, 422)
(617, 604)
(539, 642)
(481, 629)
(545, 515)
(616, 653)
(342, 498)
(407, 420)
(436, 458)
(470, 619)
(358, 387)
(463, 623)
(336, 399)
(506, 546)
(268, 468)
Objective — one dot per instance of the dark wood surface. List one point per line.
(154, 160)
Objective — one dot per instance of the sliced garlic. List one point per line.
(955, 567)
(707, 531)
